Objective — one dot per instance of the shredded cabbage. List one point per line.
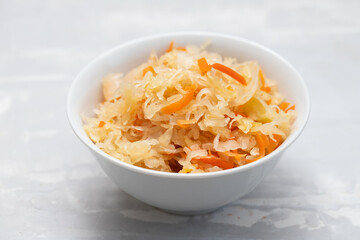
(214, 116)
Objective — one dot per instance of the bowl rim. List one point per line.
(290, 140)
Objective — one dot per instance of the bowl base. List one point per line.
(190, 213)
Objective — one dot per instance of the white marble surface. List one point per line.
(52, 188)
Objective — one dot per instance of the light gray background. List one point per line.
(52, 188)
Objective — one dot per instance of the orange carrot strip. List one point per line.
(215, 161)
(231, 135)
(237, 156)
(230, 72)
(261, 145)
(185, 123)
(171, 46)
(278, 138)
(274, 144)
(185, 170)
(290, 108)
(266, 89)
(181, 48)
(113, 100)
(176, 106)
(101, 124)
(171, 154)
(229, 88)
(266, 143)
(252, 160)
(268, 102)
(284, 105)
(149, 69)
(204, 66)
(240, 108)
(240, 111)
(262, 77)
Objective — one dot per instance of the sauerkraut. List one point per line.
(190, 111)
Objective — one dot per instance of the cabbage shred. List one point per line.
(220, 121)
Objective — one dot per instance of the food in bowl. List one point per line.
(190, 111)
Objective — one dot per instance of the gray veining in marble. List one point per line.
(52, 188)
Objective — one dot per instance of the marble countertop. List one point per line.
(52, 188)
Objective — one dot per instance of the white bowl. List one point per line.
(185, 193)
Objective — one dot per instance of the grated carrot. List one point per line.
(181, 48)
(113, 100)
(236, 155)
(240, 108)
(204, 66)
(240, 111)
(262, 79)
(185, 170)
(266, 143)
(266, 89)
(185, 123)
(274, 144)
(149, 69)
(278, 138)
(229, 88)
(251, 160)
(290, 108)
(171, 46)
(176, 106)
(101, 124)
(284, 105)
(228, 71)
(215, 161)
(261, 144)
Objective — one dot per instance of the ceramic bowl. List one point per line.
(174, 192)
